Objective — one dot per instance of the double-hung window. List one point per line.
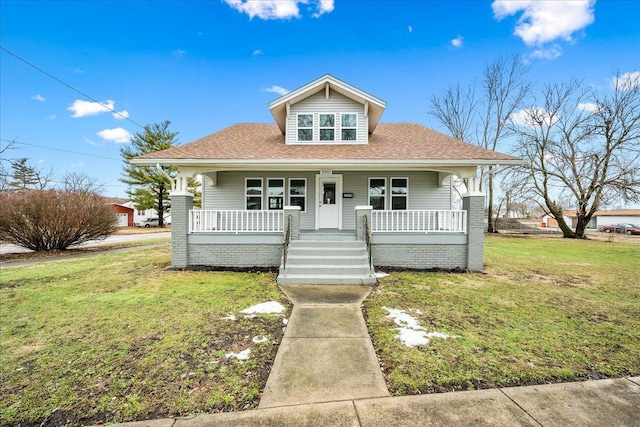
(377, 192)
(298, 193)
(399, 193)
(275, 193)
(327, 127)
(348, 126)
(305, 127)
(253, 194)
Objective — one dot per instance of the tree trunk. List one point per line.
(491, 227)
(161, 205)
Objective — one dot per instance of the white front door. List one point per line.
(329, 201)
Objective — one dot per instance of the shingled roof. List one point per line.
(391, 141)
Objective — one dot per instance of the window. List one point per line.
(348, 127)
(377, 192)
(298, 193)
(275, 193)
(327, 127)
(399, 193)
(305, 127)
(253, 194)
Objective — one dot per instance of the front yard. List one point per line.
(117, 337)
(546, 310)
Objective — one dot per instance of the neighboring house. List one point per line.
(140, 215)
(322, 179)
(124, 213)
(600, 218)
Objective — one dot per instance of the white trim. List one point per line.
(338, 179)
(406, 195)
(298, 128)
(384, 206)
(284, 192)
(306, 191)
(246, 179)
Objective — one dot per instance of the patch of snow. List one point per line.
(260, 339)
(410, 332)
(380, 274)
(243, 355)
(269, 307)
(229, 317)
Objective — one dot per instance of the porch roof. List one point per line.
(264, 143)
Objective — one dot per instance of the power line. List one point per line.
(69, 86)
(60, 149)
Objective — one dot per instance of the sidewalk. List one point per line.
(326, 373)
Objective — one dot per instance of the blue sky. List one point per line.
(205, 65)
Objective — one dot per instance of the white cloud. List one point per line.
(458, 41)
(38, 97)
(278, 9)
(546, 21)
(588, 106)
(82, 108)
(552, 52)
(179, 52)
(257, 52)
(532, 117)
(627, 80)
(78, 71)
(117, 135)
(90, 142)
(324, 6)
(52, 117)
(410, 28)
(121, 115)
(277, 89)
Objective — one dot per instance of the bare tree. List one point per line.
(82, 183)
(479, 113)
(582, 145)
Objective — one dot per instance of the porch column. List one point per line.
(473, 203)
(294, 213)
(181, 204)
(362, 212)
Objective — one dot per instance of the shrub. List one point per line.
(46, 220)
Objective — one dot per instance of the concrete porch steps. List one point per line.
(327, 262)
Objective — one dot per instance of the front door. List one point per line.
(329, 201)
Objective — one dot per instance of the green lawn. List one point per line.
(546, 309)
(117, 337)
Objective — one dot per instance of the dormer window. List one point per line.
(349, 127)
(327, 127)
(305, 127)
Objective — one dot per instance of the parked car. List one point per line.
(148, 222)
(621, 228)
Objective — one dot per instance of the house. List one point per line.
(599, 218)
(124, 213)
(326, 192)
(141, 215)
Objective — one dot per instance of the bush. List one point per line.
(46, 220)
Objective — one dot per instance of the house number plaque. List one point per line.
(326, 172)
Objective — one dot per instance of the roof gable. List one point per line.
(374, 107)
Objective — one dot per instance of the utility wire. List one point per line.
(69, 86)
(60, 149)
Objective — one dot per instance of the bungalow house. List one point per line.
(327, 192)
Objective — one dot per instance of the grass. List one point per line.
(118, 337)
(546, 310)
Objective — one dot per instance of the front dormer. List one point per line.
(327, 111)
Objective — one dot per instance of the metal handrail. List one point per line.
(367, 238)
(285, 241)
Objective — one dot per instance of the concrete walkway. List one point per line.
(326, 353)
(327, 374)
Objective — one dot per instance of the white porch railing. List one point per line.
(212, 221)
(416, 221)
